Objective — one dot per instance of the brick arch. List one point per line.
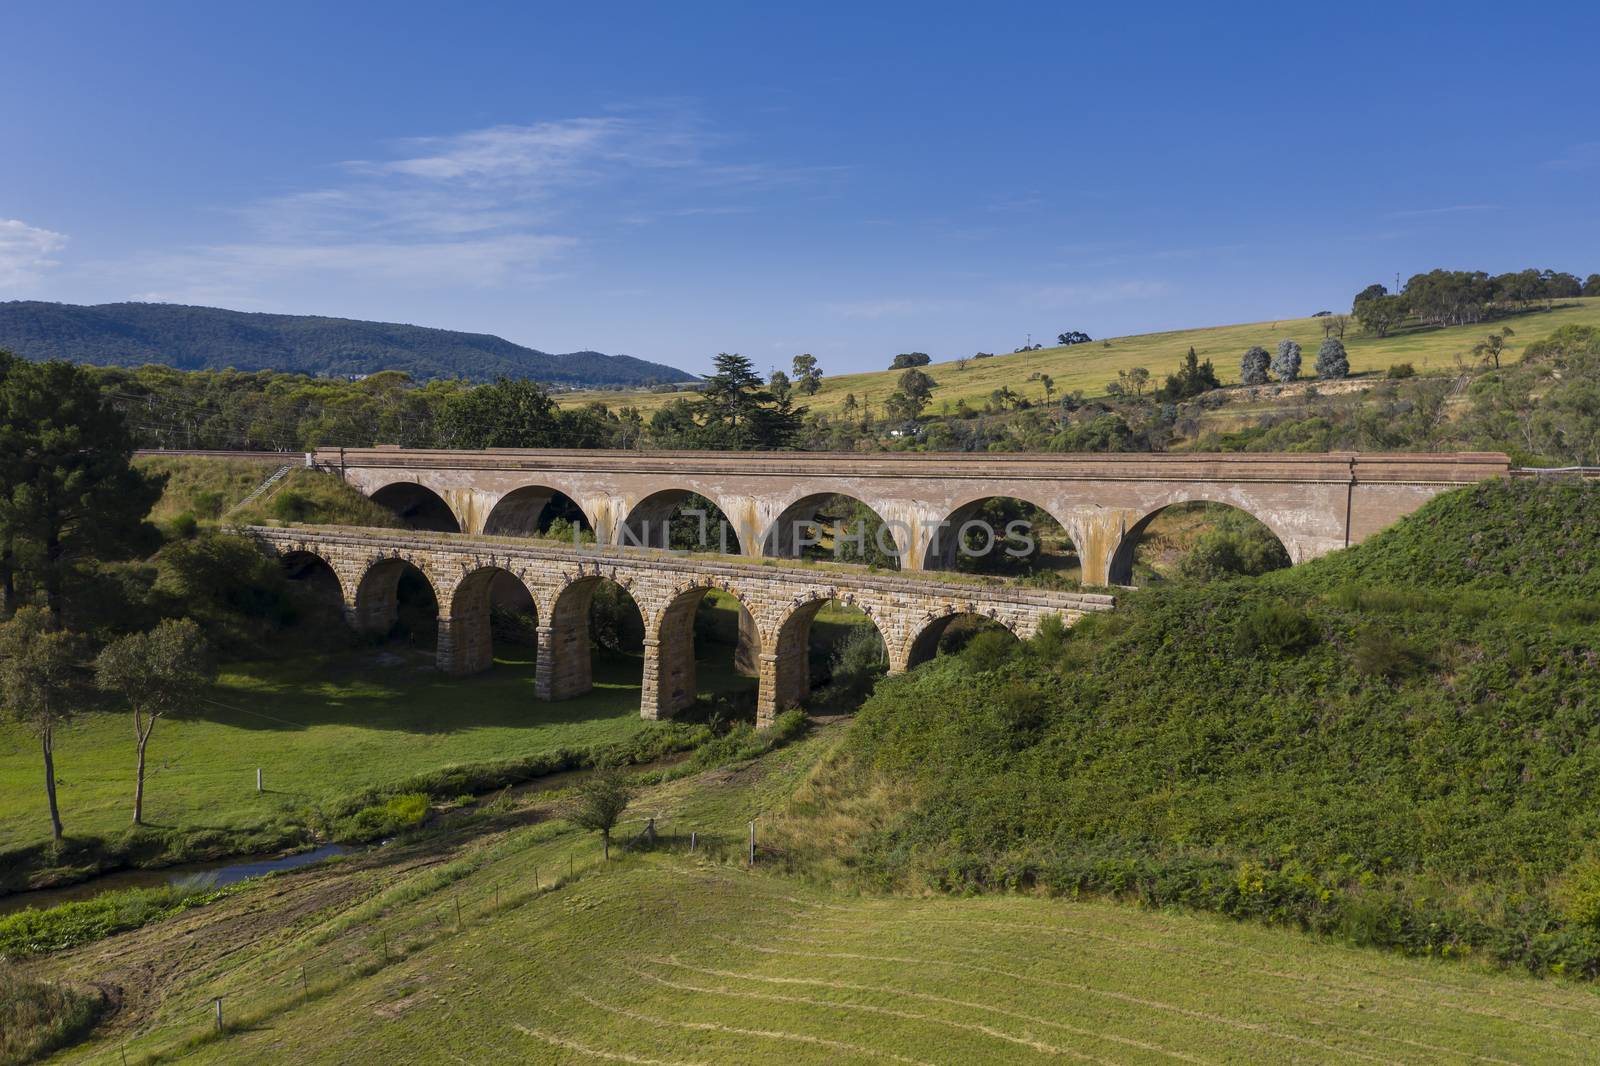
(939, 552)
(375, 604)
(302, 556)
(565, 666)
(466, 644)
(789, 680)
(922, 642)
(1120, 568)
(672, 629)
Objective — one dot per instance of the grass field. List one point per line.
(320, 729)
(509, 941)
(1090, 366)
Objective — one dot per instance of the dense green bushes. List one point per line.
(1330, 747)
(33, 932)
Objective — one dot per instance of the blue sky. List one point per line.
(675, 180)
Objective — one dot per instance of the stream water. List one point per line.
(226, 871)
(218, 872)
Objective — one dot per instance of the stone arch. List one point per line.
(377, 598)
(925, 638)
(781, 538)
(943, 542)
(528, 511)
(673, 633)
(791, 656)
(643, 525)
(566, 664)
(466, 639)
(418, 506)
(1120, 568)
(305, 565)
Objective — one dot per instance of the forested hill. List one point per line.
(211, 338)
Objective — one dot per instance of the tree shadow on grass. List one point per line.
(396, 688)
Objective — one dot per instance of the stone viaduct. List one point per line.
(779, 600)
(1314, 503)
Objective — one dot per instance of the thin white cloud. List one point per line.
(1582, 156)
(1106, 292)
(872, 310)
(1454, 209)
(491, 207)
(26, 251)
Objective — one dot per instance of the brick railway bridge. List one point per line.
(778, 605)
(1313, 503)
(472, 513)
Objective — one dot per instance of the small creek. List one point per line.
(221, 872)
(218, 872)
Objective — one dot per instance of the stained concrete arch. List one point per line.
(418, 506)
(1120, 569)
(527, 511)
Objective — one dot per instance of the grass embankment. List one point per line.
(511, 941)
(323, 729)
(37, 1017)
(1396, 746)
(209, 490)
(1088, 367)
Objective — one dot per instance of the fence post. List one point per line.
(258, 779)
(218, 1000)
(458, 914)
(694, 838)
(650, 831)
(752, 860)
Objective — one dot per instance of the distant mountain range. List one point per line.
(211, 338)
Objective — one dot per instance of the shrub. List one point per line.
(857, 663)
(1578, 893)
(1275, 627)
(1233, 550)
(1401, 371)
(291, 505)
(208, 504)
(183, 526)
(394, 815)
(989, 649)
(35, 932)
(1381, 653)
(38, 1017)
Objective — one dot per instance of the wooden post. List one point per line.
(305, 989)
(258, 779)
(218, 1001)
(385, 934)
(458, 914)
(752, 843)
(694, 838)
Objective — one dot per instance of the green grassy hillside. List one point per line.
(501, 936)
(1339, 746)
(1090, 366)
